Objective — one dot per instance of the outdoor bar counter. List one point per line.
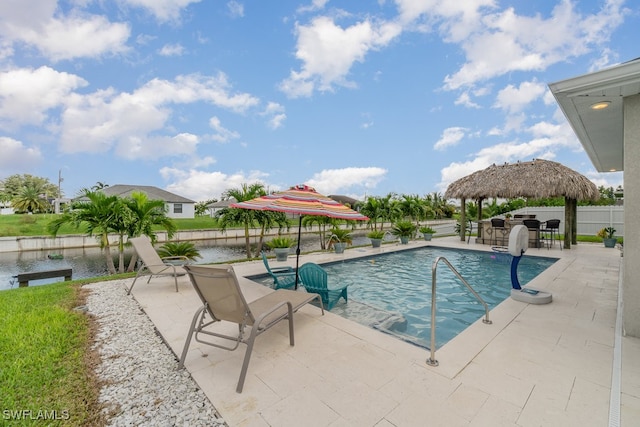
(489, 235)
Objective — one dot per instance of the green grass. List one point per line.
(45, 357)
(36, 225)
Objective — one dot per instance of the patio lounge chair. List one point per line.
(219, 290)
(152, 264)
(314, 279)
(283, 277)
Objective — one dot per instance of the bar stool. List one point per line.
(552, 227)
(533, 225)
(497, 225)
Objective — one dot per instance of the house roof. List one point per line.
(599, 131)
(154, 193)
(221, 203)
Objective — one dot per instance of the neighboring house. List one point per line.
(345, 200)
(603, 109)
(177, 206)
(5, 208)
(217, 206)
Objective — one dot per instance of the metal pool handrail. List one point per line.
(434, 267)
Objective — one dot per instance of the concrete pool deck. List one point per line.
(536, 365)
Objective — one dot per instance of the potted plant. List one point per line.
(404, 230)
(376, 237)
(280, 246)
(339, 238)
(427, 232)
(608, 237)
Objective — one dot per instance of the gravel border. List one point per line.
(142, 383)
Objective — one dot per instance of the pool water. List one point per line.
(392, 292)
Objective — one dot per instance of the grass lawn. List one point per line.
(46, 363)
(36, 225)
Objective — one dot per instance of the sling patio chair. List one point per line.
(283, 277)
(315, 279)
(153, 265)
(222, 300)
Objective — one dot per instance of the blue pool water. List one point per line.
(392, 292)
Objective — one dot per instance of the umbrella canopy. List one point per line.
(538, 179)
(301, 200)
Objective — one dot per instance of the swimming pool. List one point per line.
(391, 292)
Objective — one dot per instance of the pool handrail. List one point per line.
(434, 267)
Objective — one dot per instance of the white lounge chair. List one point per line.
(152, 264)
(219, 290)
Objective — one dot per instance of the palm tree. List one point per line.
(268, 220)
(374, 210)
(322, 221)
(101, 214)
(413, 207)
(145, 215)
(29, 200)
(247, 217)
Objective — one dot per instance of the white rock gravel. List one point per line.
(143, 385)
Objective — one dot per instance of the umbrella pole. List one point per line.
(298, 251)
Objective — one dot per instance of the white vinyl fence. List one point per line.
(590, 218)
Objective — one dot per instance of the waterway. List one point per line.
(90, 262)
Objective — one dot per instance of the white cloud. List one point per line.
(338, 181)
(515, 99)
(507, 42)
(465, 99)
(39, 24)
(172, 50)
(162, 10)
(275, 114)
(27, 95)
(328, 52)
(201, 185)
(98, 121)
(236, 9)
(222, 134)
(450, 137)
(16, 157)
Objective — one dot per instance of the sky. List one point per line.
(359, 98)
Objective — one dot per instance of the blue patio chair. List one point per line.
(283, 277)
(314, 279)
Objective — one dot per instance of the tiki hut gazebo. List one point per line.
(535, 179)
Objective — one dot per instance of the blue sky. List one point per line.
(355, 98)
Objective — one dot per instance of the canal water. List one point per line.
(90, 262)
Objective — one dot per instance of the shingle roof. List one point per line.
(154, 193)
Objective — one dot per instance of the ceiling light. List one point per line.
(600, 105)
(612, 170)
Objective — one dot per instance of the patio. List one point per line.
(552, 364)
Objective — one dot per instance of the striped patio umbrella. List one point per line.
(301, 200)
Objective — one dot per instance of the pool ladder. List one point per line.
(434, 267)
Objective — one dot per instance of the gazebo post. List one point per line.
(463, 219)
(479, 228)
(568, 223)
(574, 221)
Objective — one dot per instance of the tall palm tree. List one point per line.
(246, 217)
(29, 200)
(322, 221)
(101, 215)
(268, 220)
(374, 210)
(146, 214)
(413, 207)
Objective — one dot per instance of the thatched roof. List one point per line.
(536, 179)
